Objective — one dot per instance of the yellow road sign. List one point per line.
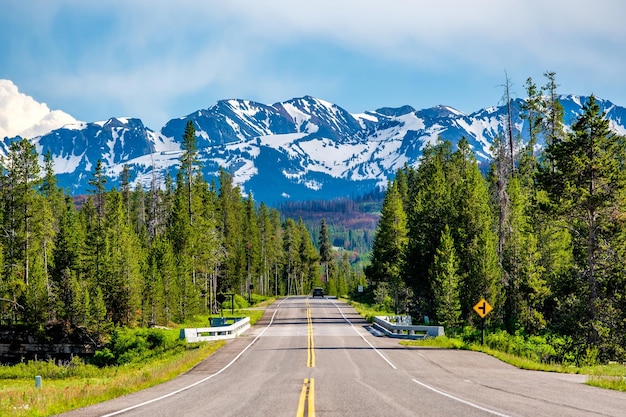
(482, 308)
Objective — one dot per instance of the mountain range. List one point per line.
(300, 149)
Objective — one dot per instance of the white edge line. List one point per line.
(471, 404)
(362, 337)
(200, 381)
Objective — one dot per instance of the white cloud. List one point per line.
(22, 115)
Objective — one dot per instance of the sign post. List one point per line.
(482, 308)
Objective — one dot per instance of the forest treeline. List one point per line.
(351, 221)
(541, 237)
(143, 256)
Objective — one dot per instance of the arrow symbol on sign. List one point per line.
(482, 308)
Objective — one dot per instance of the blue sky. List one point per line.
(157, 60)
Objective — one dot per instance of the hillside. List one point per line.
(351, 221)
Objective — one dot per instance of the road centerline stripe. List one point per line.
(306, 402)
(310, 363)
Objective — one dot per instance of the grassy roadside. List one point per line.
(366, 311)
(76, 385)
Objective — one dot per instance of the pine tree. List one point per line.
(390, 243)
(473, 231)
(96, 308)
(446, 282)
(309, 271)
(49, 188)
(67, 256)
(345, 276)
(121, 269)
(180, 233)
(553, 118)
(125, 188)
(230, 224)
(428, 211)
(533, 113)
(275, 249)
(265, 235)
(188, 162)
(251, 242)
(96, 235)
(21, 184)
(41, 249)
(325, 247)
(208, 244)
(98, 182)
(291, 258)
(526, 288)
(586, 185)
(160, 290)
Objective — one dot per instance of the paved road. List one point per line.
(315, 357)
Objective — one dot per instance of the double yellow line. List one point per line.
(307, 399)
(310, 360)
(307, 394)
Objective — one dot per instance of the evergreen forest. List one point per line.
(541, 237)
(144, 257)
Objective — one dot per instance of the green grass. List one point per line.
(617, 383)
(90, 385)
(77, 384)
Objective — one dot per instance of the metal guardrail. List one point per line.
(406, 331)
(207, 334)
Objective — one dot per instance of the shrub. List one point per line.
(103, 357)
(132, 345)
(155, 339)
(535, 348)
(470, 334)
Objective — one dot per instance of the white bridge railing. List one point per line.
(399, 327)
(207, 334)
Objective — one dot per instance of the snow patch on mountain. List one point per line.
(303, 148)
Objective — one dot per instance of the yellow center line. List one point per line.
(311, 401)
(307, 399)
(306, 402)
(310, 363)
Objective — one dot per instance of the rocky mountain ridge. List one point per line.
(300, 149)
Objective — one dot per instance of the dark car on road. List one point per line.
(318, 292)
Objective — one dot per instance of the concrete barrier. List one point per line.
(404, 331)
(207, 334)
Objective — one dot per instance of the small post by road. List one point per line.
(482, 331)
(38, 381)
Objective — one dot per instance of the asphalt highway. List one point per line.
(316, 357)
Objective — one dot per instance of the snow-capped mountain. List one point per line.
(300, 149)
(76, 148)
